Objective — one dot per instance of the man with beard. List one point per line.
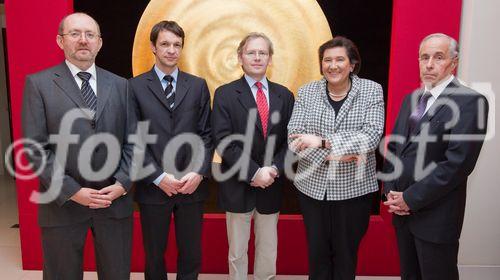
(83, 203)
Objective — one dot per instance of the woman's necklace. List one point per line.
(338, 97)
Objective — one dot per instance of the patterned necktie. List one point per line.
(262, 107)
(169, 92)
(417, 114)
(87, 92)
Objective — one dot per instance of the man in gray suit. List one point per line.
(99, 99)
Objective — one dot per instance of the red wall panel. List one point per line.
(31, 46)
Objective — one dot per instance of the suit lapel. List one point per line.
(247, 101)
(181, 89)
(155, 87)
(275, 104)
(327, 113)
(346, 106)
(436, 107)
(103, 90)
(65, 81)
(403, 130)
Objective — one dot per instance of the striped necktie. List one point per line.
(88, 94)
(169, 92)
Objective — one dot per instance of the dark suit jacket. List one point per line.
(191, 114)
(437, 201)
(48, 96)
(232, 104)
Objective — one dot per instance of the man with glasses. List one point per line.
(100, 99)
(263, 108)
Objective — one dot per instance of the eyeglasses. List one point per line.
(257, 53)
(75, 35)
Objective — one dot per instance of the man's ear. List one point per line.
(454, 64)
(59, 42)
(100, 43)
(153, 48)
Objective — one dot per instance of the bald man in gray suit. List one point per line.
(100, 101)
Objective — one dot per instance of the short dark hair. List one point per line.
(351, 50)
(166, 25)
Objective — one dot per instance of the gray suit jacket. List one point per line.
(48, 96)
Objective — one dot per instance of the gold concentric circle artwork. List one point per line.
(214, 29)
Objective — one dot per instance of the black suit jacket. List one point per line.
(191, 114)
(437, 201)
(48, 96)
(232, 105)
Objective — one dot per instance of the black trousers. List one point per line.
(423, 260)
(155, 221)
(63, 249)
(334, 230)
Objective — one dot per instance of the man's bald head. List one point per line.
(60, 30)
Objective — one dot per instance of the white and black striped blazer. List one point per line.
(356, 130)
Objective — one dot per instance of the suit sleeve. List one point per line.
(204, 130)
(297, 125)
(367, 138)
(221, 126)
(460, 158)
(388, 167)
(279, 158)
(139, 147)
(123, 174)
(34, 125)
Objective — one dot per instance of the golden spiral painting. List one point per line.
(214, 29)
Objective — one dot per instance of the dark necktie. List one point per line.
(87, 92)
(417, 114)
(169, 92)
(262, 107)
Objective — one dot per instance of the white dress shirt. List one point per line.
(93, 76)
(436, 91)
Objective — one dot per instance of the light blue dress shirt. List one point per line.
(164, 84)
(265, 87)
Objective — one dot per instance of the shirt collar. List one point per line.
(75, 70)
(160, 73)
(251, 82)
(439, 88)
